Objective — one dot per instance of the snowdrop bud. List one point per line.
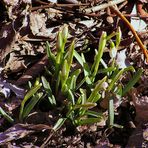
(59, 41)
(102, 41)
(118, 37)
(104, 85)
(65, 33)
(113, 50)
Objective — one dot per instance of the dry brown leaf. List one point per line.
(10, 32)
(141, 105)
(38, 26)
(19, 131)
(15, 132)
(33, 71)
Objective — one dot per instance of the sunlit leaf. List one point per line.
(118, 37)
(65, 33)
(132, 82)
(34, 100)
(59, 123)
(6, 116)
(89, 121)
(48, 90)
(115, 79)
(87, 105)
(102, 44)
(106, 70)
(50, 55)
(29, 94)
(85, 66)
(93, 113)
(97, 88)
(71, 97)
(70, 54)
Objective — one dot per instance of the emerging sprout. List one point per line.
(65, 33)
(118, 37)
(113, 50)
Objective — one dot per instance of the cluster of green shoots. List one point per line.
(80, 88)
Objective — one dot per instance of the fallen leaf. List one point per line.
(137, 23)
(6, 87)
(141, 104)
(16, 132)
(33, 71)
(19, 131)
(38, 26)
(10, 32)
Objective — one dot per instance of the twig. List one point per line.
(118, 13)
(114, 15)
(47, 140)
(103, 6)
(41, 2)
(131, 15)
(25, 38)
(57, 5)
(122, 5)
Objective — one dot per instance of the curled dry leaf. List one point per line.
(38, 26)
(14, 64)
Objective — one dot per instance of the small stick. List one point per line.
(118, 13)
(103, 6)
(41, 2)
(57, 5)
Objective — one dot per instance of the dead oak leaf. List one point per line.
(38, 26)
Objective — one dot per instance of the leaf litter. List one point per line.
(23, 34)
